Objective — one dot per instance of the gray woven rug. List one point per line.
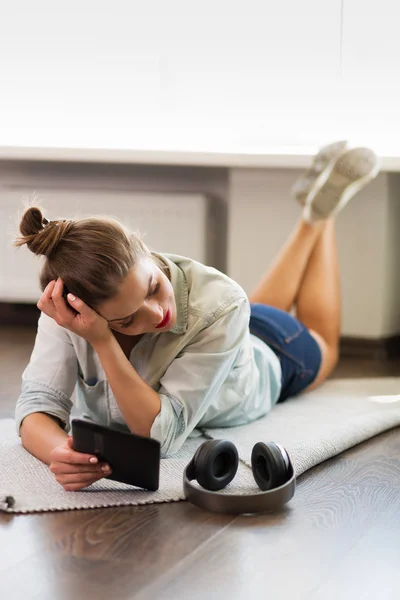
(313, 427)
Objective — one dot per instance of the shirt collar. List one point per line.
(181, 292)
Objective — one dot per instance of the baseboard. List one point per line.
(378, 349)
(18, 314)
(27, 315)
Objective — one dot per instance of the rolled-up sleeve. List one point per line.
(50, 377)
(195, 378)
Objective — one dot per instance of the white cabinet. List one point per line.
(175, 223)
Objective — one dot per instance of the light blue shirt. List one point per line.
(208, 369)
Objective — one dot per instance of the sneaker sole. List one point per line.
(328, 155)
(341, 181)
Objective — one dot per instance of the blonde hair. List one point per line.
(92, 255)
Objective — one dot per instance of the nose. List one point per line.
(157, 313)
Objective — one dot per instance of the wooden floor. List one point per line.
(338, 539)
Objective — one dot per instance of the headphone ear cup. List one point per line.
(270, 470)
(216, 464)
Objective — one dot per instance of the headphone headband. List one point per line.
(258, 502)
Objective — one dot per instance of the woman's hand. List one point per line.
(75, 470)
(86, 323)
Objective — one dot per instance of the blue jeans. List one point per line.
(299, 353)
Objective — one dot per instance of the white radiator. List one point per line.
(176, 223)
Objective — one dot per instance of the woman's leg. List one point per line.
(319, 301)
(280, 285)
(306, 273)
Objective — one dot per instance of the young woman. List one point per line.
(160, 344)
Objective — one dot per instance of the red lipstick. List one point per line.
(165, 320)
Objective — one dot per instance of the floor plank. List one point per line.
(88, 551)
(338, 538)
(295, 554)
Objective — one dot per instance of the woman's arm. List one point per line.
(40, 434)
(193, 382)
(43, 437)
(137, 401)
(49, 379)
(189, 386)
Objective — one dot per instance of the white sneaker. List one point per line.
(325, 157)
(341, 179)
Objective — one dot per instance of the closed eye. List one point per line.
(131, 320)
(128, 323)
(154, 292)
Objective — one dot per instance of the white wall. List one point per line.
(227, 75)
(370, 42)
(262, 215)
(391, 317)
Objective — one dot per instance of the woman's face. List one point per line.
(144, 303)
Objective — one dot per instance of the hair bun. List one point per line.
(37, 233)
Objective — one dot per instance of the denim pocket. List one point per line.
(275, 324)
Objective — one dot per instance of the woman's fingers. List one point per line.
(76, 487)
(46, 303)
(75, 470)
(64, 314)
(63, 454)
(48, 291)
(72, 313)
(73, 479)
(54, 305)
(67, 479)
(63, 468)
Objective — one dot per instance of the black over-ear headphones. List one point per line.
(215, 464)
